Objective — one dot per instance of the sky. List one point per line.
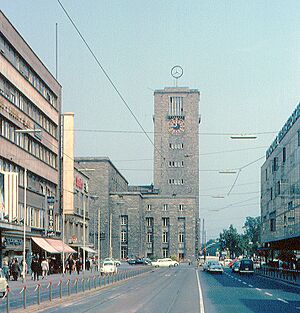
(243, 56)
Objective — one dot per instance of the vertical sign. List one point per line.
(1, 192)
(50, 201)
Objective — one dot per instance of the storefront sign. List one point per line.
(11, 242)
(287, 126)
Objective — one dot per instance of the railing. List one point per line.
(37, 294)
(290, 276)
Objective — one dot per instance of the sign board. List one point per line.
(79, 182)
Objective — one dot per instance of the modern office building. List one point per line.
(280, 189)
(29, 145)
(157, 220)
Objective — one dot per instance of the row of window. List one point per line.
(27, 143)
(176, 182)
(22, 66)
(24, 104)
(175, 163)
(165, 207)
(176, 146)
(176, 106)
(165, 237)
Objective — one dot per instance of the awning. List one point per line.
(53, 245)
(88, 249)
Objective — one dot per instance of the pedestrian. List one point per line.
(35, 269)
(15, 269)
(45, 268)
(71, 264)
(5, 267)
(78, 266)
(88, 264)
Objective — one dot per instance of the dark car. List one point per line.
(131, 261)
(246, 266)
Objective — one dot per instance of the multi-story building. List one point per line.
(280, 189)
(162, 219)
(104, 179)
(29, 144)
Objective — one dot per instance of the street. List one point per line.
(176, 290)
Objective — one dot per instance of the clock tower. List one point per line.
(176, 139)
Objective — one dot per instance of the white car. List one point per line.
(166, 262)
(117, 262)
(215, 267)
(108, 268)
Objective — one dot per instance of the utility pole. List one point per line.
(99, 237)
(110, 235)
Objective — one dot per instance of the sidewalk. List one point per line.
(54, 278)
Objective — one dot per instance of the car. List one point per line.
(246, 266)
(166, 262)
(227, 262)
(117, 262)
(131, 261)
(235, 266)
(215, 267)
(207, 264)
(108, 268)
(3, 283)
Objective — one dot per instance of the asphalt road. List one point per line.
(247, 294)
(176, 290)
(169, 290)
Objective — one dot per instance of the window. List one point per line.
(271, 193)
(149, 221)
(266, 173)
(149, 207)
(278, 188)
(284, 154)
(165, 221)
(181, 237)
(165, 237)
(123, 236)
(149, 238)
(165, 207)
(180, 207)
(176, 106)
(275, 164)
(123, 252)
(124, 219)
(165, 252)
(299, 138)
(272, 224)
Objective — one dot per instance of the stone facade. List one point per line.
(280, 188)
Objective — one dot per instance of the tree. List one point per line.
(232, 241)
(252, 227)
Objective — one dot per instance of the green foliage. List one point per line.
(246, 243)
(173, 257)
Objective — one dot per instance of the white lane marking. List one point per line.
(268, 294)
(297, 307)
(258, 289)
(244, 283)
(284, 301)
(239, 280)
(200, 295)
(250, 286)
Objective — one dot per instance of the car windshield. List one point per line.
(247, 262)
(108, 263)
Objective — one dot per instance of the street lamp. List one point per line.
(243, 136)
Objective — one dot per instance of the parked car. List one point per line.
(3, 283)
(246, 266)
(166, 262)
(235, 266)
(108, 268)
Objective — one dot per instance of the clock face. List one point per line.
(176, 71)
(176, 126)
